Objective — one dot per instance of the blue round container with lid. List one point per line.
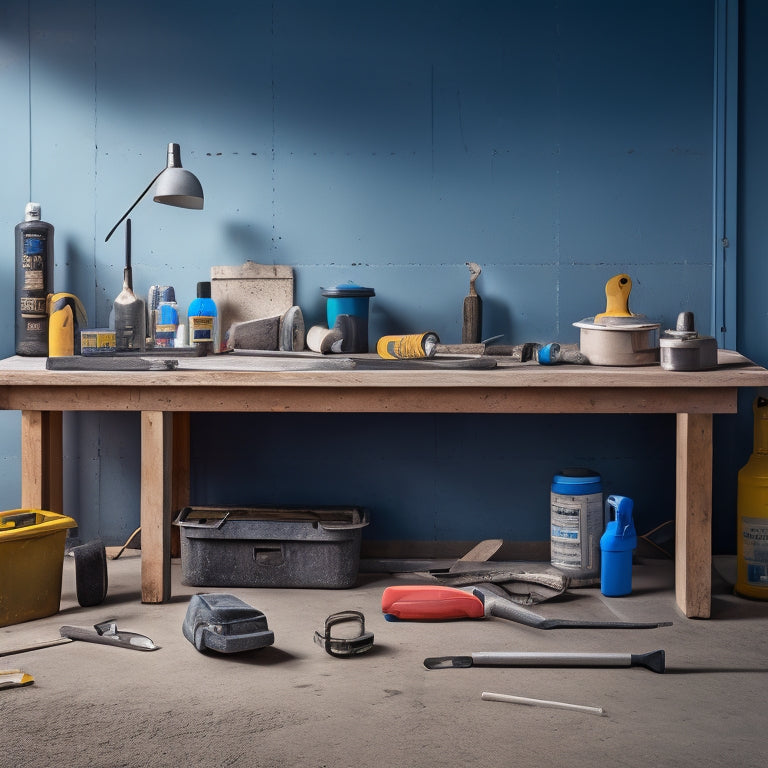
(350, 300)
(347, 299)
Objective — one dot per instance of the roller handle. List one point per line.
(654, 660)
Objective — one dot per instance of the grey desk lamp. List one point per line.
(175, 186)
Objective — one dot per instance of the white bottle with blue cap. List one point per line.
(616, 547)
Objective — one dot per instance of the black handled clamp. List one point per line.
(345, 646)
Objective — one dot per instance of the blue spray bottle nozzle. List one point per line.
(623, 526)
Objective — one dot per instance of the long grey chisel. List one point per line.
(654, 660)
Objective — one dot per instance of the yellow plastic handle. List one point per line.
(617, 291)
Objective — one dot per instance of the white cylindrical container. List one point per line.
(576, 518)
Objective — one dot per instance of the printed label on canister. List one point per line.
(754, 540)
(576, 524)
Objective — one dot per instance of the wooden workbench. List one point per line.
(273, 384)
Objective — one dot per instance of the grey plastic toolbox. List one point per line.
(271, 547)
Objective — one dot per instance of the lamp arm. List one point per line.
(138, 200)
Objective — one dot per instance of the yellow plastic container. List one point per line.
(31, 563)
(752, 512)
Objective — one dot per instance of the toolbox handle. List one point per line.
(331, 525)
(20, 520)
(184, 523)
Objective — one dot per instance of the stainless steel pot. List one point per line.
(619, 340)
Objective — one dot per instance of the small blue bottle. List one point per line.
(616, 547)
(167, 324)
(203, 320)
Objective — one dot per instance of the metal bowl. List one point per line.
(619, 341)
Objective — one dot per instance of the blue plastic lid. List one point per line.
(576, 481)
(347, 291)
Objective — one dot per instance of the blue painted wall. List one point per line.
(556, 144)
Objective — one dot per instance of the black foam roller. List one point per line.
(90, 573)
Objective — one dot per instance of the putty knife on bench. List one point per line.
(432, 602)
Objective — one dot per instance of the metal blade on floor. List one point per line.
(433, 602)
(106, 633)
(504, 608)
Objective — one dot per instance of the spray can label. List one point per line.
(754, 540)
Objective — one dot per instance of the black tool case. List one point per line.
(271, 547)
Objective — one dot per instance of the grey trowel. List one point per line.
(504, 608)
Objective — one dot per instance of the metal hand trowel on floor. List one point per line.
(105, 633)
(431, 602)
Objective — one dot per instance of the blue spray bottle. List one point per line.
(616, 547)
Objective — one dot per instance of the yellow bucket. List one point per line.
(31, 562)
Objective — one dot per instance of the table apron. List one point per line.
(362, 399)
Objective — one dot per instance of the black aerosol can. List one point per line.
(34, 281)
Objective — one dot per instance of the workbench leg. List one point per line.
(180, 473)
(41, 461)
(693, 515)
(156, 440)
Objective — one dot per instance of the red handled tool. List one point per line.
(430, 601)
(435, 602)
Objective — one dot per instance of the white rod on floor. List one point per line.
(486, 696)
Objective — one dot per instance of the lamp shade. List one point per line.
(174, 186)
(178, 186)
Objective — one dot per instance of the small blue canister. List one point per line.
(616, 547)
(352, 301)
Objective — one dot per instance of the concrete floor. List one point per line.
(292, 704)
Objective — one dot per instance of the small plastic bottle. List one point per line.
(616, 547)
(167, 324)
(203, 319)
